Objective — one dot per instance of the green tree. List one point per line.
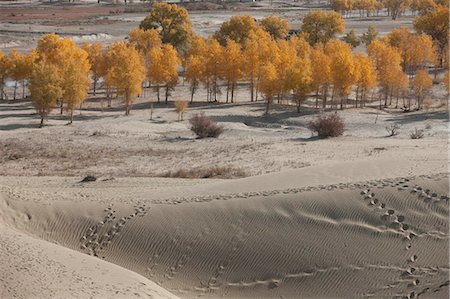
(173, 23)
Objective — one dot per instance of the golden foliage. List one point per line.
(45, 88)
(237, 28)
(173, 23)
(277, 27)
(126, 72)
(320, 26)
(422, 83)
(435, 24)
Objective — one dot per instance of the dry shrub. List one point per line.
(222, 172)
(327, 125)
(204, 127)
(392, 129)
(180, 108)
(416, 134)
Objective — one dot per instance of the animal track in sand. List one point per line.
(101, 234)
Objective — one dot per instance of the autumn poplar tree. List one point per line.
(269, 84)
(173, 24)
(171, 61)
(422, 83)
(277, 27)
(6, 67)
(320, 26)
(258, 50)
(237, 28)
(213, 68)
(435, 24)
(45, 88)
(366, 77)
(232, 66)
(126, 72)
(155, 69)
(387, 61)
(75, 83)
(301, 79)
(343, 70)
(320, 73)
(97, 61)
(195, 69)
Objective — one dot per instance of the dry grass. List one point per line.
(218, 172)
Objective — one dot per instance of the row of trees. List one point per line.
(242, 50)
(394, 8)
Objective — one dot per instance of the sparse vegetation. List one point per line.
(393, 129)
(219, 172)
(204, 127)
(416, 134)
(327, 125)
(180, 108)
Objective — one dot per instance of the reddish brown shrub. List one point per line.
(204, 127)
(327, 125)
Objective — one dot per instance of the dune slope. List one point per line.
(381, 238)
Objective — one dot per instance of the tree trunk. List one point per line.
(157, 93)
(268, 106)
(228, 90)
(252, 91)
(192, 94)
(42, 121)
(232, 92)
(95, 84)
(61, 106)
(71, 116)
(15, 90)
(23, 89)
(167, 93)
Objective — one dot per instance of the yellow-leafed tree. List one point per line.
(422, 83)
(343, 71)
(97, 61)
(155, 69)
(195, 69)
(6, 68)
(320, 26)
(45, 88)
(269, 84)
(144, 40)
(367, 77)
(75, 83)
(257, 52)
(300, 77)
(19, 70)
(435, 24)
(387, 61)
(320, 73)
(126, 72)
(237, 28)
(277, 27)
(213, 68)
(171, 61)
(232, 66)
(172, 22)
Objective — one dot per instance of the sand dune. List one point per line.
(343, 238)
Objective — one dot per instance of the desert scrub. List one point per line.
(204, 127)
(180, 108)
(220, 172)
(327, 125)
(416, 134)
(392, 130)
